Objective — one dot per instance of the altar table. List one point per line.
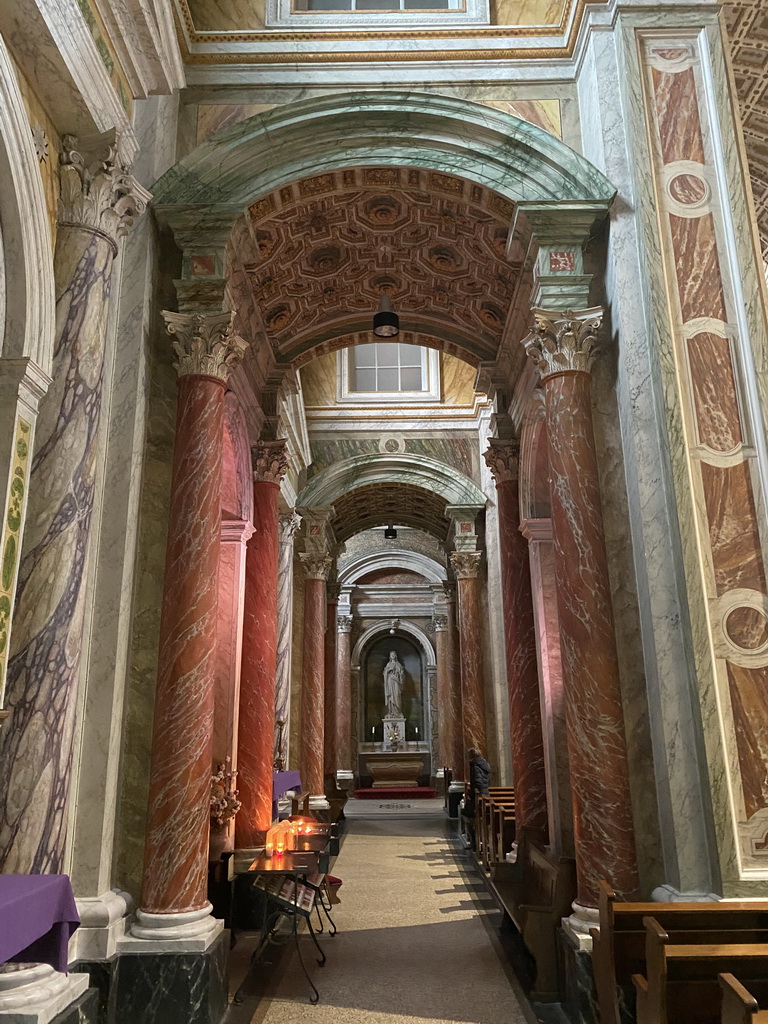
(37, 917)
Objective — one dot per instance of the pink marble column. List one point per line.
(457, 752)
(343, 708)
(176, 849)
(503, 459)
(256, 730)
(316, 568)
(330, 739)
(229, 646)
(446, 718)
(561, 346)
(466, 566)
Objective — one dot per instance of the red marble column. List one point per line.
(457, 750)
(561, 346)
(503, 458)
(316, 569)
(343, 708)
(256, 730)
(330, 739)
(466, 565)
(176, 850)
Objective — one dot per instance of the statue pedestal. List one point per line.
(394, 733)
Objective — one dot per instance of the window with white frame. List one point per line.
(391, 370)
(435, 14)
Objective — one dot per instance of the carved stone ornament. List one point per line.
(288, 525)
(466, 564)
(98, 190)
(269, 460)
(503, 459)
(316, 567)
(344, 623)
(205, 343)
(563, 340)
(439, 623)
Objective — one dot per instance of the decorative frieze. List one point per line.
(563, 341)
(503, 459)
(98, 190)
(205, 344)
(269, 460)
(466, 564)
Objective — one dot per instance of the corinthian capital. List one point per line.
(562, 341)
(466, 564)
(344, 623)
(269, 460)
(503, 459)
(288, 525)
(205, 343)
(316, 567)
(98, 190)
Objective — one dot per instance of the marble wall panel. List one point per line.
(723, 433)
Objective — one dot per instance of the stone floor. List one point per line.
(417, 938)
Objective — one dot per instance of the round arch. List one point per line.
(427, 567)
(364, 470)
(29, 325)
(519, 160)
(381, 628)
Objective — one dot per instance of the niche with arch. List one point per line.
(372, 686)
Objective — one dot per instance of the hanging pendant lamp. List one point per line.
(386, 323)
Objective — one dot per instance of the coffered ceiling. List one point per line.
(373, 505)
(319, 253)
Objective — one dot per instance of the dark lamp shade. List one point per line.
(390, 533)
(386, 323)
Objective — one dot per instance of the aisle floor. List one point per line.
(417, 934)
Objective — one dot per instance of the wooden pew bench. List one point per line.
(739, 1005)
(498, 807)
(484, 829)
(504, 830)
(681, 984)
(619, 946)
(538, 896)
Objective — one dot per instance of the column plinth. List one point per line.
(256, 730)
(98, 203)
(502, 458)
(316, 569)
(562, 348)
(176, 850)
(466, 565)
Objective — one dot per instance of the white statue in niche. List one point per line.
(393, 685)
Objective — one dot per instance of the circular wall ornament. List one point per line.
(392, 444)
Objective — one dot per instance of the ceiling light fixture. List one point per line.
(386, 323)
(390, 533)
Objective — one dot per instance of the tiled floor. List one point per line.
(416, 939)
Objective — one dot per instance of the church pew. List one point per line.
(619, 945)
(739, 1005)
(491, 805)
(680, 984)
(536, 899)
(504, 830)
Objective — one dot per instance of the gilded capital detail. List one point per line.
(466, 564)
(563, 341)
(205, 343)
(316, 567)
(98, 190)
(503, 459)
(269, 460)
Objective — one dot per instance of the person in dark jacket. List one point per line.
(479, 773)
(479, 780)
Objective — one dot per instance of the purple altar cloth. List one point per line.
(37, 917)
(281, 783)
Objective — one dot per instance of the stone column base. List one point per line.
(578, 925)
(580, 1002)
(668, 894)
(35, 993)
(190, 932)
(175, 988)
(103, 921)
(344, 778)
